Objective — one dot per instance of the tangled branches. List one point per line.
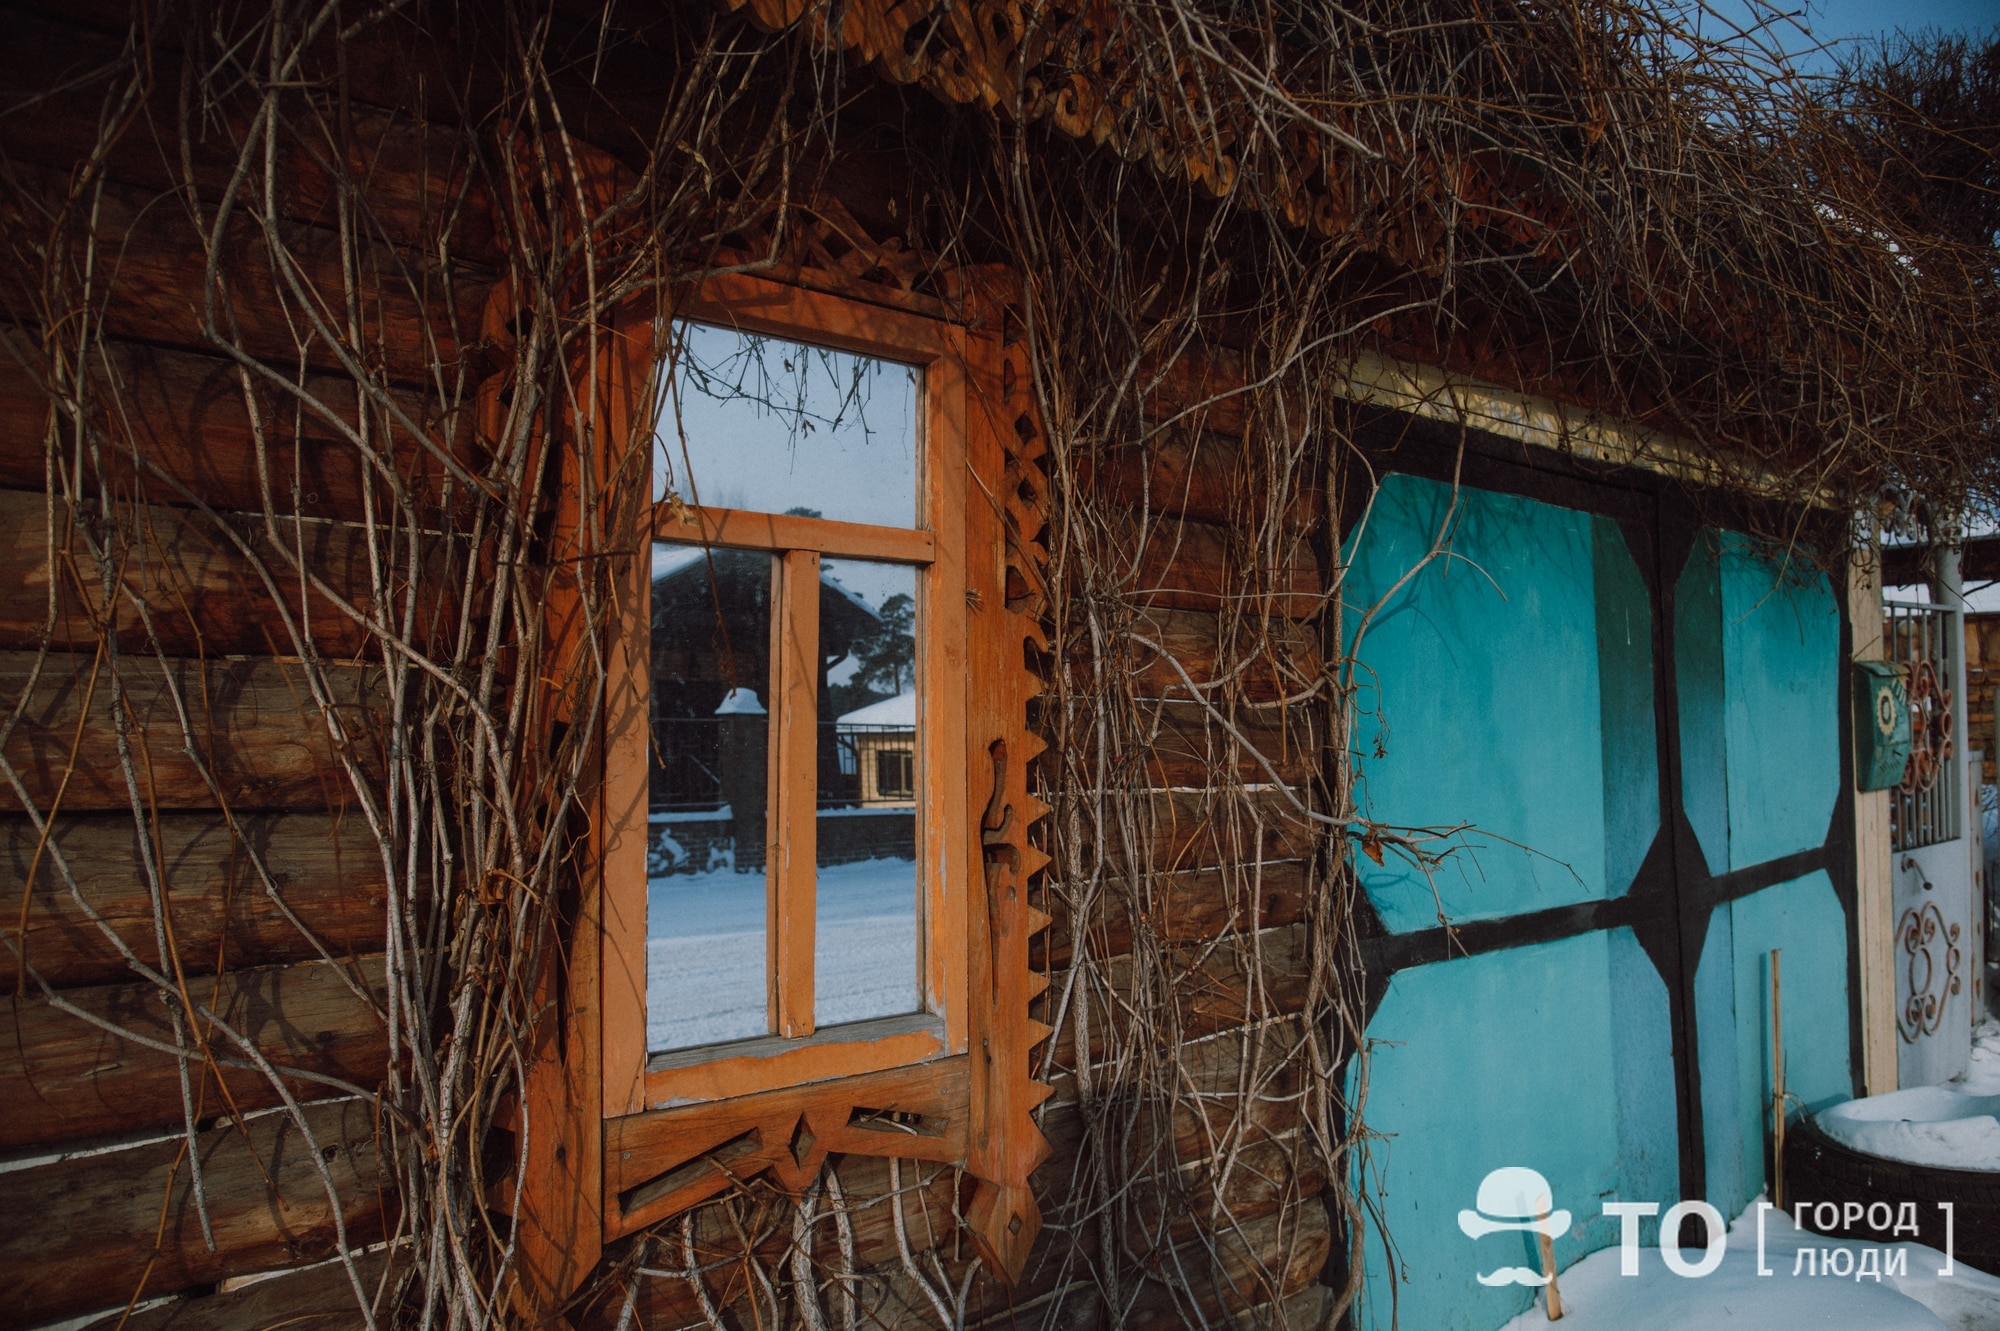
(383, 255)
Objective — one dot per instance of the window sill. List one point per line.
(719, 1072)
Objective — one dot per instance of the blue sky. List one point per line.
(1846, 20)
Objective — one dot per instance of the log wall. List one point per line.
(191, 778)
(205, 799)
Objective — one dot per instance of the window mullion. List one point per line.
(793, 827)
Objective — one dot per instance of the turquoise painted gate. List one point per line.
(1635, 720)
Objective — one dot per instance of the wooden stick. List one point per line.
(1777, 1088)
(1555, 1302)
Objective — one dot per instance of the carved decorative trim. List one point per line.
(975, 1110)
(819, 245)
(658, 1164)
(1008, 519)
(1071, 64)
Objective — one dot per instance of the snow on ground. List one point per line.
(705, 951)
(1735, 1298)
(1955, 1125)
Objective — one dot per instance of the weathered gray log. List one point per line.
(89, 1232)
(328, 871)
(64, 1077)
(318, 1298)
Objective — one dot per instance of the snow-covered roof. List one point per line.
(900, 710)
(740, 702)
(827, 579)
(671, 559)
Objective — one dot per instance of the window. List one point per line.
(893, 780)
(814, 909)
(793, 903)
(791, 915)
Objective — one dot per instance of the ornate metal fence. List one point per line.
(1928, 807)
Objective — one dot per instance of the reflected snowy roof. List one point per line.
(900, 710)
(669, 560)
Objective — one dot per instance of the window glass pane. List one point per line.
(777, 426)
(865, 952)
(705, 916)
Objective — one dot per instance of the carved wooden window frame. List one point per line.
(958, 1091)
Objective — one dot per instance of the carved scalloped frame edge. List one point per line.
(1005, 520)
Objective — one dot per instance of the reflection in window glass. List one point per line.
(775, 426)
(865, 951)
(705, 915)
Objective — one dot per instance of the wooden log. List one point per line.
(1188, 565)
(90, 1231)
(414, 319)
(1190, 906)
(1200, 390)
(254, 723)
(316, 1298)
(1263, 1261)
(1173, 830)
(1260, 1179)
(184, 413)
(1274, 1258)
(1185, 746)
(1196, 474)
(187, 589)
(328, 870)
(1259, 660)
(1263, 1171)
(63, 1078)
(1237, 981)
(419, 188)
(1242, 1086)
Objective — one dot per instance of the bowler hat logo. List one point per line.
(1514, 1200)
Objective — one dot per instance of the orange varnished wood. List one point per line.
(777, 1063)
(621, 833)
(1006, 1144)
(791, 857)
(983, 501)
(949, 674)
(917, 1112)
(758, 305)
(599, 513)
(780, 532)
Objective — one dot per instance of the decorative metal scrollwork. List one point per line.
(1930, 727)
(1931, 987)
